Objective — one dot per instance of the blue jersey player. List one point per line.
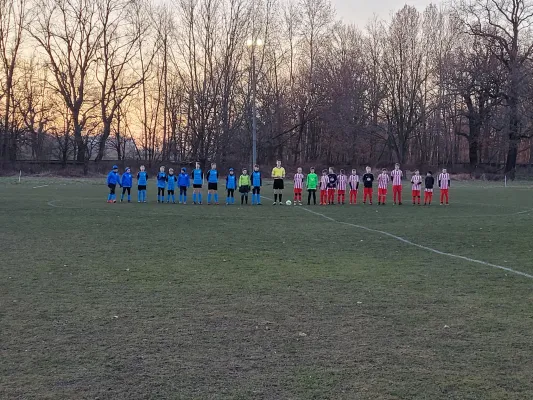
(127, 182)
(231, 185)
(184, 181)
(142, 180)
(257, 182)
(113, 179)
(197, 182)
(171, 186)
(212, 184)
(161, 184)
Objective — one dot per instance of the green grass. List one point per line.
(131, 301)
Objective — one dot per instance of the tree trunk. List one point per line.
(105, 135)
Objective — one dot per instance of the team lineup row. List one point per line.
(330, 185)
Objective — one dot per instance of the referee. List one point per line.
(278, 173)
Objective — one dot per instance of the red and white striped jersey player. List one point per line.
(416, 185)
(298, 186)
(324, 180)
(383, 183)
(444, 186)
(353, 181)
(396, 176)
(342, 180)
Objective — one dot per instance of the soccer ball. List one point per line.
(288, 202)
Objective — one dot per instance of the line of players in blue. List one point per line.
(182, 182)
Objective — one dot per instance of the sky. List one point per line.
(359, 12)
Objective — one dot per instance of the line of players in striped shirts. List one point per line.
(331, 183)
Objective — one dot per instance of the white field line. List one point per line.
(52, 203)
(37, 187)
(401, 239)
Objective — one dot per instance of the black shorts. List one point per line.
(112, 188)
(126, 189)
(141, 187)
(212, 186)
(256, 190)
(197, 186)
(244, 189)
(278, 184)
(170, 192)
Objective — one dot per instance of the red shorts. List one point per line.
(341, 191)
(331, 190)
(298, 191)
(415, 193)
(397, 188)
(382, 192)
(368, 191)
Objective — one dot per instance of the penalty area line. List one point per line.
(406, 241)
(37, 187)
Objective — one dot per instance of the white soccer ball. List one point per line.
(288, 202)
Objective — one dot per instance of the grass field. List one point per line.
(148, 301)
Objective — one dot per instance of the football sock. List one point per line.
(199, 197)
(129, 197)
(109, 197)
(216, 197)
(275, 198)
(280, 196)
(209, 198)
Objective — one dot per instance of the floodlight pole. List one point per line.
(252, 44)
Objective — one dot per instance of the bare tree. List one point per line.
(70, 33)
(506, 26)
(13, 19)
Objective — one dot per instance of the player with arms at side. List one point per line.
(324, 180)
(353, 181)
(127, 182)
(312, 184)
(416, 184)
(161, 184)
(257, 182)
(396, 177)
(383, 184)
(342, 180)
(332, 186)
(298, 187)
(368, 182)
(197, 176)
(428, 191)
(444, 186)
(212, 184)
(142, 181)
(278, 174)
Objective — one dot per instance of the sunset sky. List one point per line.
(360, 12)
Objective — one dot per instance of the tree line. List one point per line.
(86, 80)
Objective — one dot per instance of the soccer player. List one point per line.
(383, 183)
(298, 186)
(212, 184)
(278, 174)
(368, 181)
(142, 180)
(396, 177)
(184, 181)
(113, 179)
(428, 191)
(324, 180)
(127, 182)
(231, 185)
(311, 183)
(444, 186)
(342, 179)
(161, 184)
(332, 185)
(353, 181)
(257, 182)
(244, 186)
(416, 184)
(197, 183)
(171, 186)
